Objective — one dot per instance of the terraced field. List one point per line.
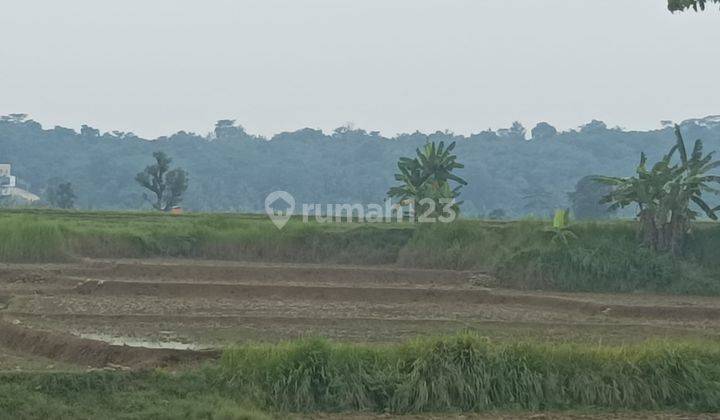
(138, 313)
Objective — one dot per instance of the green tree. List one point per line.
(61, 195)
(168, 185)
(682, 5)
(665, 192)
(428, 176)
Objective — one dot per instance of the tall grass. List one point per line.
(55, 236)
(468, 373)
(605, 257)
(31, 239)
(470, 244)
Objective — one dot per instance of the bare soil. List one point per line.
(46, 309)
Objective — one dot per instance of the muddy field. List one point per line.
(130, 313)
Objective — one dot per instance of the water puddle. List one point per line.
(140, 342)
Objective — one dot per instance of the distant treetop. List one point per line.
(682, 5)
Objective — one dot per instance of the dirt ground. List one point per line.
(101, 311)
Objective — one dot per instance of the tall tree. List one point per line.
(168, 185)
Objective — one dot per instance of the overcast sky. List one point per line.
(157, 67)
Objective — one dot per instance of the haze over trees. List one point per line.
(586, 199)
(233, 170)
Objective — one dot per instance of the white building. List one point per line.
(8, 185)
(7, 181)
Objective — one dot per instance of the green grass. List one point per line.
(461, 373)
(468, 373)
(114, 395)
(605, 257)
(34, 239)
(58, 236)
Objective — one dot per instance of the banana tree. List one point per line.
(687, 187)
(561, 233)
(664, 194)
(647, 190)
(411, 178)
(437, 163)
(428, 176)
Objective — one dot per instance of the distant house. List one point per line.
(7, 181)
(8, 185)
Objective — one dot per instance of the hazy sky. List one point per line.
(156, 67)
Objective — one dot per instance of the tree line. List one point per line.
(510, 172)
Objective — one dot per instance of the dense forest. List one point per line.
(522, 172)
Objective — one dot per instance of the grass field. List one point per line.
(142, 315)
